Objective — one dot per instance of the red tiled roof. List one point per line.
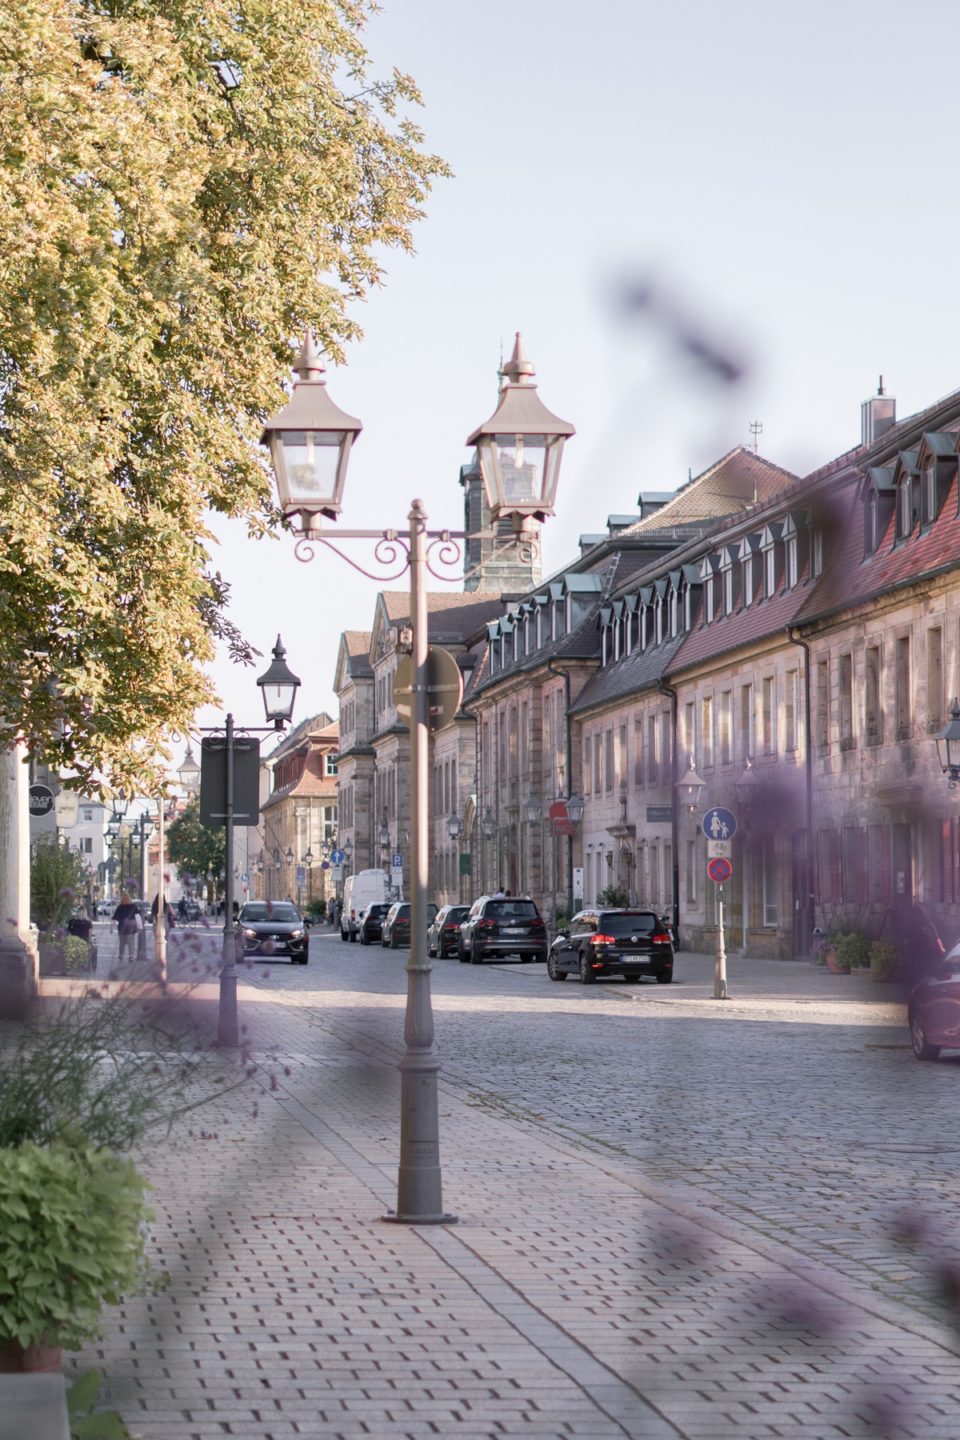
(745, 626)
(451, 614)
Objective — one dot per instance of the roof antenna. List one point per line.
(880, 390)
(756, 430)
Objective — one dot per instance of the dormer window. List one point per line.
(674, 612)
(658, 620)
(772, 552)
(871, 522)
(937, 459)
(729, 580)
(908, 494)
(748, 568)
(816, 553)
(794, 533)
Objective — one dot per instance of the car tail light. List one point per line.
(661, 939)
(486, 924)
(603, 940)
(536, 925)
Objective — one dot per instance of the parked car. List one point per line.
(443, 933)
(933, 1011)
(499, 925)
(371, 922)
(364, 888)
(631, 943)
(274, 927)
(396, 923)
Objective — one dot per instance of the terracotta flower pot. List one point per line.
(17, 1359)
(833, 964)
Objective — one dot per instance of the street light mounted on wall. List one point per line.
(948, 746)
(689, 789)
(520, 449)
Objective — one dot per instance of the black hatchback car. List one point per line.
(370, 928)
(500, 925)
(273, 927)
(444, 932)
(631, 943)
(396, 924)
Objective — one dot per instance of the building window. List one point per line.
(689, 728)
(792, 559)
(768, 719)
(791, 709)
(724, 725)
(816, 553)
(872, 719)
(692, 870)
(845, 687)
(329, 765)
(86, 815)
(587, 770)
(904, 710)
(748, 580)
(597, 760)
(823, 704)
(666, 746)
(706, 739)
(747, 723)
(769, 876)
(853, 864)
(608, 758)
(935, 677)
(871, 522)
(622, 757)
(638, 751)
(653, 759)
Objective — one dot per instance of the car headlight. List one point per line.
(296, 934)
(249, 934)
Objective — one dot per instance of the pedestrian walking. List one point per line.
(167, 912)
(128, 922)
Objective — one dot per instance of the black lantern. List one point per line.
(520, 447)
(453, 826)
(310, 442)
(279, 686)
(575, 809)
(948, 746)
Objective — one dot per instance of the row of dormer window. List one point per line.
(541, 620)
(913, 489)
(725, 581)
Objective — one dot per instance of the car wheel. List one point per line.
(304, 959)
(431, 953)
(664, 977)
(353, 936)
(918, 1039)
(476, 957)
(587, 976)
(394, 943)
(552, 970)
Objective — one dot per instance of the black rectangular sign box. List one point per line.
(659, 814)
(213, 780)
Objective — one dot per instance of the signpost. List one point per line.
(41, 801)
(444, 688)
(719, 869)
(719, 824)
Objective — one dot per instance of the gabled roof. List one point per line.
(735, 483)
(452, 615)
(353, 659)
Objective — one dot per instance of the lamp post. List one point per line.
(746, 787)
(519, 449)
(145, 826)
(948, 746)
(534, 817)
(488, 826)
(454, 827)
(575, 806)
(278, 685)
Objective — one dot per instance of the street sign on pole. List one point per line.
(719, 849)
(719, 870)
(41, 800)
(397, 861)
(444, 688)
(337, 858)
(719, 824)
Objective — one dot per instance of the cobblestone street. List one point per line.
(675, 1215)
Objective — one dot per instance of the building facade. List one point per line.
(298, 815)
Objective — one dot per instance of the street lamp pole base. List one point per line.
(228, 1021)
(392, 1219)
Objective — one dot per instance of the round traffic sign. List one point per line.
(719, 870)
(444, 688)
(41, 800)
(719, 824)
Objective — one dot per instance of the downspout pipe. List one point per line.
(565, 677)
(795, 639)
(671, 694)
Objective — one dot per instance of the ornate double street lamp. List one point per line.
(948, 746)
(278, 686)
(519, 448)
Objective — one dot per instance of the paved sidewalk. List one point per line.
(574, 1298)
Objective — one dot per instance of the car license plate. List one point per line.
(514, 930)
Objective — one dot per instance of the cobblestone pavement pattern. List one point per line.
(675, 1216)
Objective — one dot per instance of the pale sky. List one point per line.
(782, 175)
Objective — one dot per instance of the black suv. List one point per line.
(502, 925)
(631, 943)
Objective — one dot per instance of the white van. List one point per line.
(359, 891)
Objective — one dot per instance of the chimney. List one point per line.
(877, 416)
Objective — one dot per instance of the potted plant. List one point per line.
(884, 960)
(72, 1221)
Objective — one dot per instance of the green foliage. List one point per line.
(165, 238)
(853, 949)
(195, 849)
(884, 960)
(561, 921)
(71, 1240)
(104, 1072)
(57, 877)
(86, 1423)
(76, 953)
(317, 910)
(615, 896)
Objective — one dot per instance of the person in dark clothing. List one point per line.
(167, 911)
(126, 916)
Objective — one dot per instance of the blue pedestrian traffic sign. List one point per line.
(719, 824)
(337, 857)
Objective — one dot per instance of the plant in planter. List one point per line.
(884, 960)
(615, 896)
(852, 951)
(72, 1240)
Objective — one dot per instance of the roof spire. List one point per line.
(519, 371)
